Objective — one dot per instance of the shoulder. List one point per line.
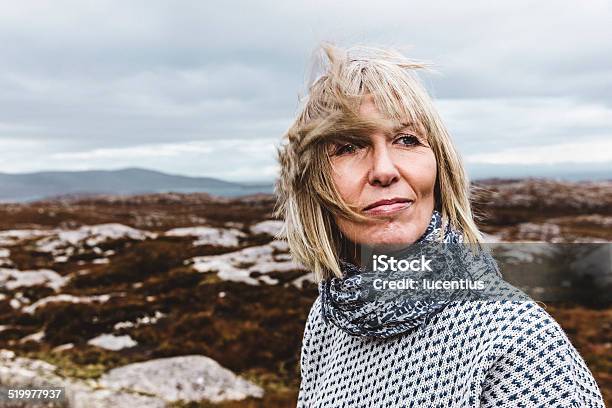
(509, 317)
(533, 332)
(310, 337)
(528, 323)
(521, 325)
(315, 318)
(509, 329)
(538, 361)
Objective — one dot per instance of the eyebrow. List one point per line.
(405, 126)
(402, 126)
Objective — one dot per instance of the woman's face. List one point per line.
(400, 167)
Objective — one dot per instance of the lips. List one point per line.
(388, 205)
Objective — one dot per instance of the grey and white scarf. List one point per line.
(349, 302)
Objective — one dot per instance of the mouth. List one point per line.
(388, 206)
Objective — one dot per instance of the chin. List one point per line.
(387, 241)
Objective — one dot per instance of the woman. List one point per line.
(369, 163)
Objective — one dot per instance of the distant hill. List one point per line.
(559, 171)
(38, 185)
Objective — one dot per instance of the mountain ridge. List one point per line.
(23, 187)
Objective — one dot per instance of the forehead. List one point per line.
(368, 109)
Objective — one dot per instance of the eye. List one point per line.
(408, 139)
(347, 148)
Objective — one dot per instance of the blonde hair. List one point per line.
(307, 199)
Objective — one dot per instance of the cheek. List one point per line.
(420, 171)
(359, 232)
(346, 183)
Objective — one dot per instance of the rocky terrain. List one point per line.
(188, 300)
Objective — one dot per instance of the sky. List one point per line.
(204, 88)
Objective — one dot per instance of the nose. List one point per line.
(383, 171)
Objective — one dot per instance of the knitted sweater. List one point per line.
(471, 354)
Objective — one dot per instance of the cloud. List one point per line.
(492, 124)
(98, 84)
(229, 159)
(593, 152)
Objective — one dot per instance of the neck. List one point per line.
(351, 252)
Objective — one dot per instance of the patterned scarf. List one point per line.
(345, 303)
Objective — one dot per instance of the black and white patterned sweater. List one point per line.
(471, 354)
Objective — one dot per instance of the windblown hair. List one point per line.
(307, 199)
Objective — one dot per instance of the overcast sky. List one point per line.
(208, 88)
